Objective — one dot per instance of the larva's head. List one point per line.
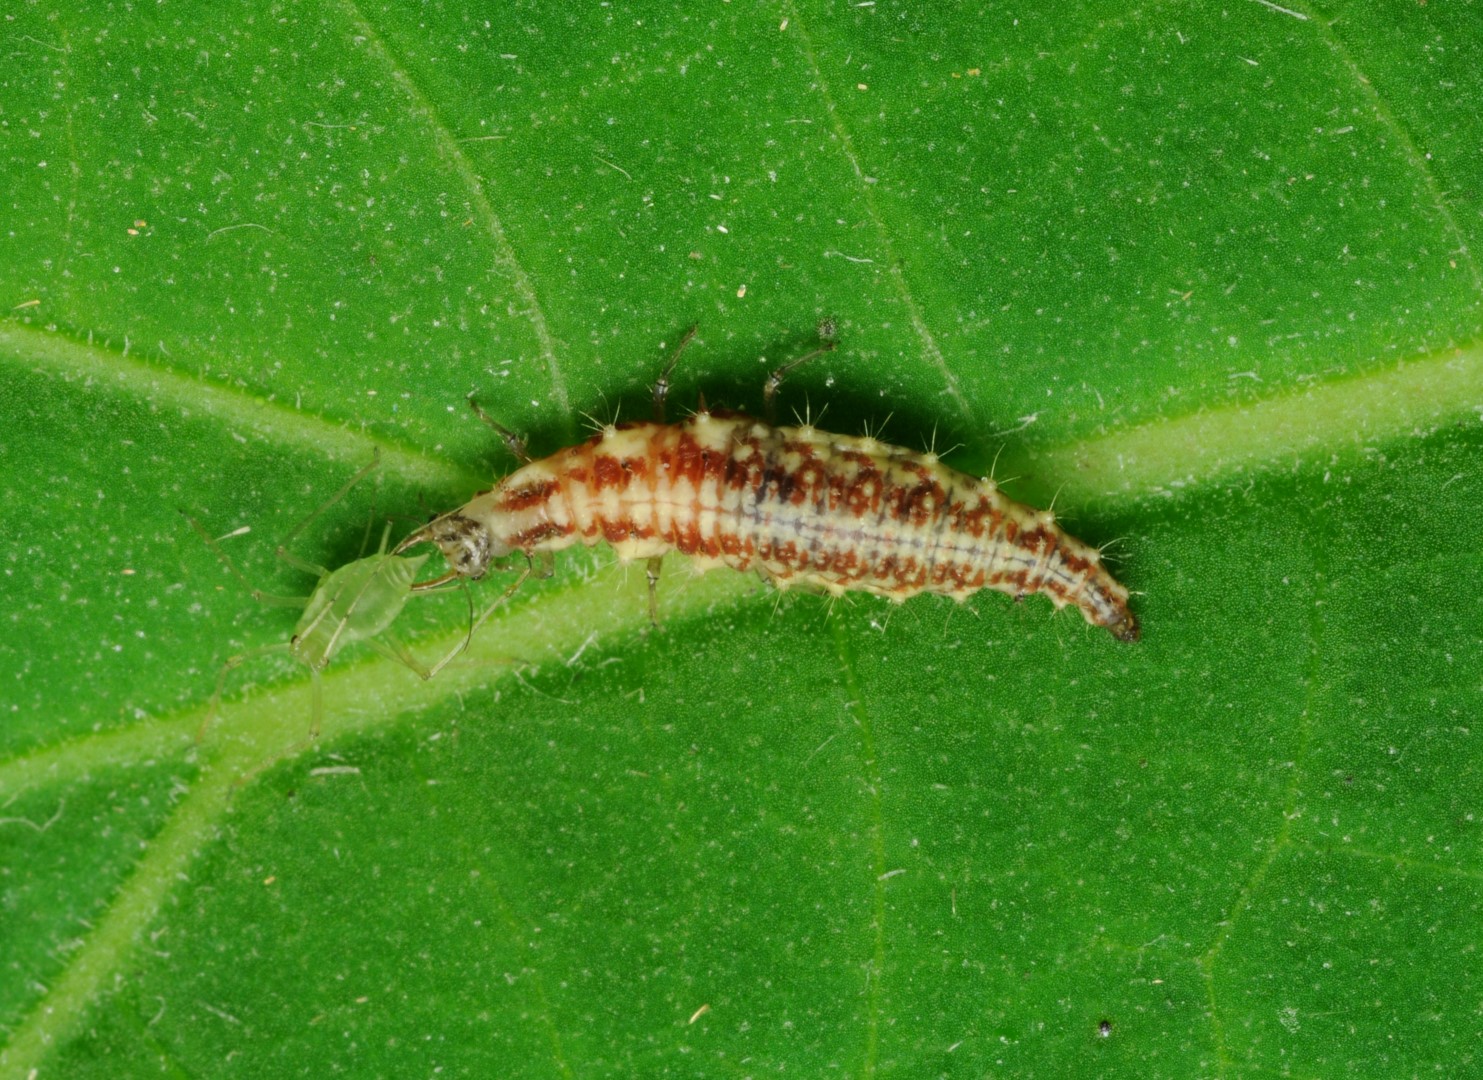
(468, 546)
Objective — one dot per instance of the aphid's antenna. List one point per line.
(514, 443)
(661, 387)
(282, 551)
(775, 380)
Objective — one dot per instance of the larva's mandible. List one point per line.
(799, 505)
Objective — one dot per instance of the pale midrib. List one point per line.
(271, 422)
(1305, 426)
(252, 735)
(1126, 465)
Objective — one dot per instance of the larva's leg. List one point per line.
(775, 380)
(652, 570)
(661, 388)
(514, 443)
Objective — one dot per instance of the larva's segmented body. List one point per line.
(799, 505)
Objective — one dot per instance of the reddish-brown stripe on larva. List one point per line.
(799, 505)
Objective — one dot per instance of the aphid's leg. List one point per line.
(385, 539)
(231, 665)
(514, 443)
(282, 552)
(775, 380)
(652, 570)
(316, 702)
(393, 648)
(661, 388)
(365, 537)
(289, 558)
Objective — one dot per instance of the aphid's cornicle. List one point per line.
(799, 505)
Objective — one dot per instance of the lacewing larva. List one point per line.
(357, 602)
(798, 505)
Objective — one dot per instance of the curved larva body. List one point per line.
(799, 505)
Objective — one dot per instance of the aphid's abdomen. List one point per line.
(801, 506)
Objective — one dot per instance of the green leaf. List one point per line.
(1204, 277)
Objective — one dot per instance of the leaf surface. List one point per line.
(1202, 277)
